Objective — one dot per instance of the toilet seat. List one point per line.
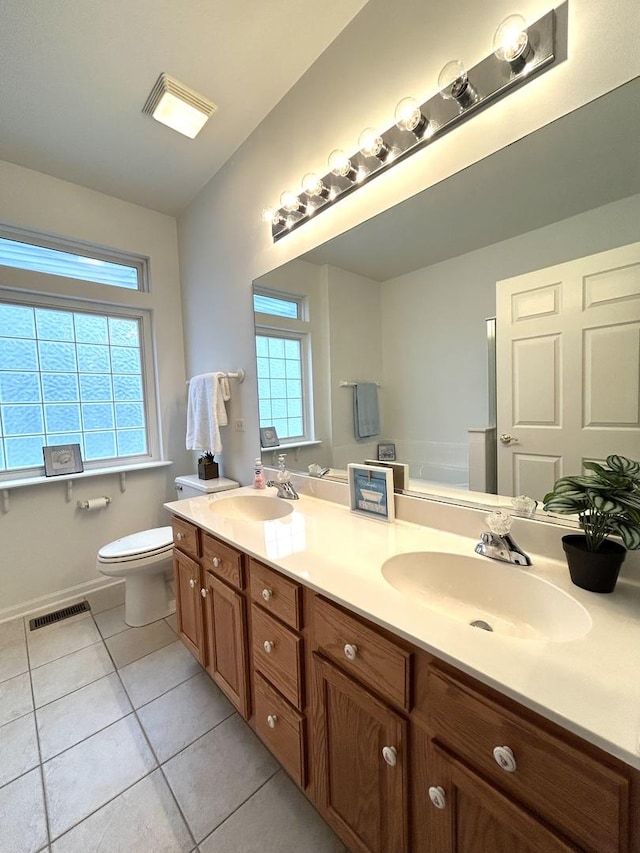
(145, 545)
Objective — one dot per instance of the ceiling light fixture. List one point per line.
(513, 62)
(178, 107)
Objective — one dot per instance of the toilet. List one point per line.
(145, 560)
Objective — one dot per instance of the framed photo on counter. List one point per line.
(62, 459)
(371, 491)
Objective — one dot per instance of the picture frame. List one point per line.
(269, 437)
(371, 491)
(400, 472)
(62, 459)
(386, 451)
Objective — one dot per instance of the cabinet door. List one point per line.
(470, 816)
(362, 795)
(226, 629)
(186, 574)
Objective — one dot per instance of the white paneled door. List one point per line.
(568, 369)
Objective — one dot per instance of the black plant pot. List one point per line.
(207, 470)
(598, 570)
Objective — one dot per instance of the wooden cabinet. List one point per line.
(226, 630)
(186, 574)
(361, 766)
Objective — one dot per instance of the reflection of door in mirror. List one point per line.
(568, 369)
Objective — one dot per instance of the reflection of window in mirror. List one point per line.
(283, 349)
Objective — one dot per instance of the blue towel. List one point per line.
(366, 413)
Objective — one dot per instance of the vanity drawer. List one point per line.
(223, 560)
(376, 661)
(281, 728)
(276, 593)
(565, 787)
(277, 654)
(185, 537)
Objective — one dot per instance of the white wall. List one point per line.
(376, 60)
(47, 545)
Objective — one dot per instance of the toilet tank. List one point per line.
(191, 486)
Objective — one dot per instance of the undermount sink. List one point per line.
(496, 596)
(252, 507)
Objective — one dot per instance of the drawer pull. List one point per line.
(180, 536)
(268, 646)
(504, 758)
(350, 651)
(192, 583)
(216, 561)
(272, 719)
(437, 796)
(267, 594)
(203, 592)
(390, 755)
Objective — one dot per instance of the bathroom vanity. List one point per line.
(410, 730)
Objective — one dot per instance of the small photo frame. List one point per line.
(400, 472)
(269, 437)
(371, 491)
(62, 459)
(386, 452)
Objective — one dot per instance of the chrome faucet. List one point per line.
(285, 490)
(497, 543)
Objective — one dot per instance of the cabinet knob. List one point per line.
(505, 758)
(350, 651)
(267, 594)
(179, 536)
(268, 646)
(272, 719)
(192, 583)
(203, 592)
(437, 796)
(390, 755)
(216, 561)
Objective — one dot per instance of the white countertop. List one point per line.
(589, 685)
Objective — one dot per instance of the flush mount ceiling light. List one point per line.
(519, 51)
(179, 107)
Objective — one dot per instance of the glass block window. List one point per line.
(38, 258)
(280, 384)
(68, 377)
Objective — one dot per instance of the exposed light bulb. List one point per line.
(341, 166)
(511, 42)
(409, 117)
(312, 185)
(454, 85)
(371, 144)
(271, 215)
(290, 202)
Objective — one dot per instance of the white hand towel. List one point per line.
(206, 411)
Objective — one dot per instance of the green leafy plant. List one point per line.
(606, 501)
(206, 457)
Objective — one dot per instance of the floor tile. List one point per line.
(68, 673)
(167, 725)
(172, 622)
(23, 826)
(276, 819)
(143, 818)
(111, 622)
(15, 698)
(55, 641)
(85, 777)
(149, 677)
(18, 748)
(106, 598)
(217, 773)
(135, 643)
(11, 632)
(13, 649)
(78, 715)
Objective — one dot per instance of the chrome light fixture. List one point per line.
(519, 51)
(178, 107)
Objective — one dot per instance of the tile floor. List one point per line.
(114, 740)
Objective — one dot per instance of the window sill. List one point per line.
(293, 445)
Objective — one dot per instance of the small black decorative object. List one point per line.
(207, 467)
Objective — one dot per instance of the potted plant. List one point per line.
(207, 466)
(607, 502)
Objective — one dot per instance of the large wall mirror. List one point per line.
(403, 301)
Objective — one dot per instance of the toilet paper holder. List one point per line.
(94, 503)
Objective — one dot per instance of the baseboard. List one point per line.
(61, 598)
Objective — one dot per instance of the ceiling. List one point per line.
(75, 74)
(581, 161)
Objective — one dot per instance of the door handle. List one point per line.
(505, 438)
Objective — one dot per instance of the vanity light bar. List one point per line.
(517, 57)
